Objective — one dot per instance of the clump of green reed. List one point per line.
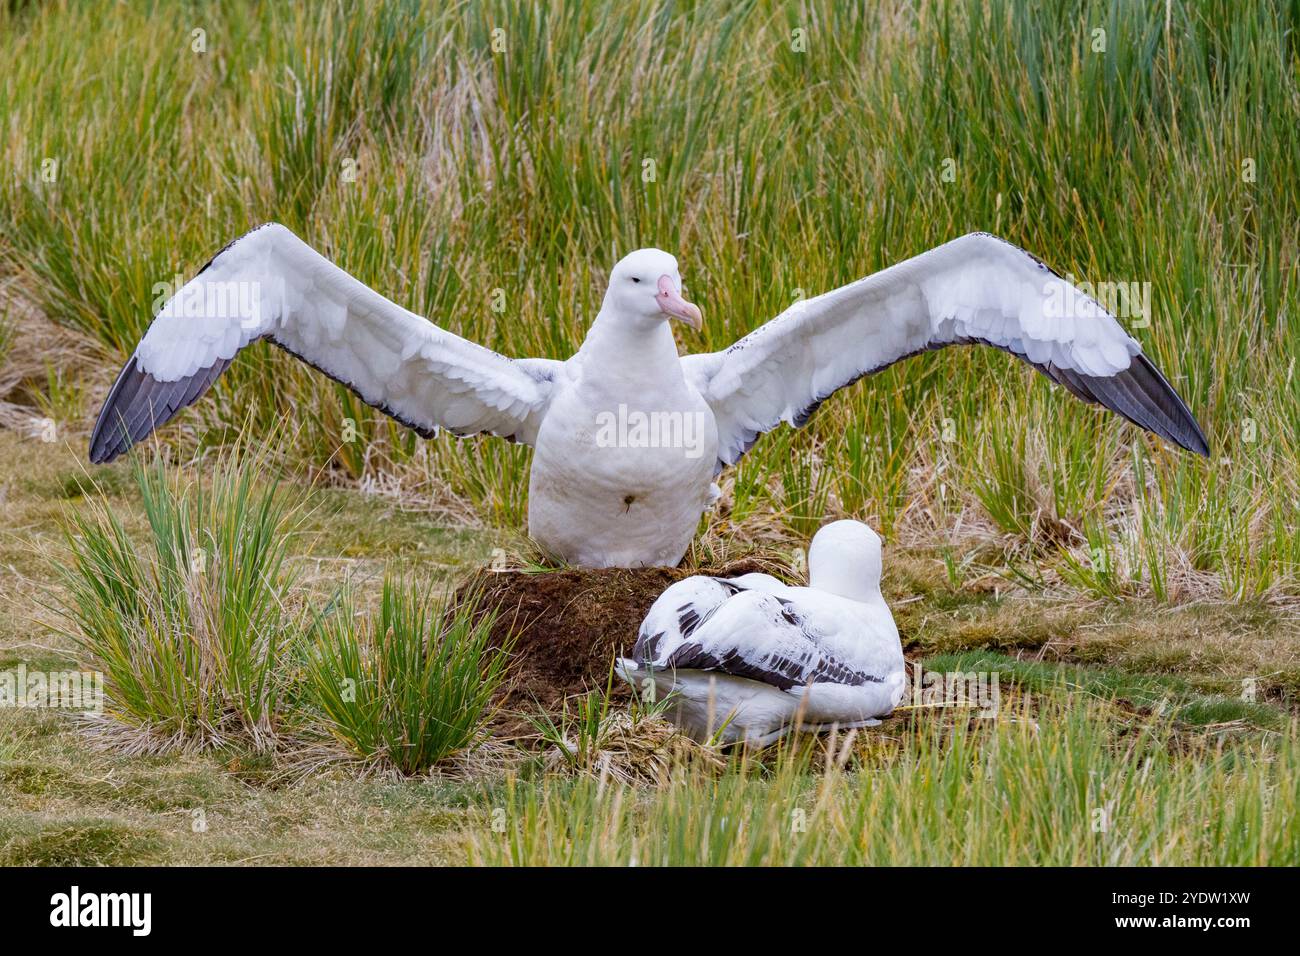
(576, 733)
(192, 622)
(409, 685)
(1071, 781)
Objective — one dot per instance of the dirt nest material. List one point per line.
(568, 627)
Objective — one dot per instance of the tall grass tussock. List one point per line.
(206, 639)
(194, 628)
(408, 686)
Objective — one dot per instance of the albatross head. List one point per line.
(844, 559)
(646, 287)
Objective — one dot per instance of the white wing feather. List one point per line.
(778, 635)
(976, 289)
(271, 284)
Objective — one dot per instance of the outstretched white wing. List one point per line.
(270, 284)
(976, 289)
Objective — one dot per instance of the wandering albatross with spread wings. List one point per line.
(605, 490)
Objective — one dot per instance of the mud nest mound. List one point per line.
(567, 628)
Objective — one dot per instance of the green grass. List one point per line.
(499, 151)
(194, 629)
(207, 639)
(90, 842)
(8, 331)
(1063, 784)
(1165, 693)
(409, 686)
(1097, 675)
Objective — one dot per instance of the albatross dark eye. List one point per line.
(635, 279)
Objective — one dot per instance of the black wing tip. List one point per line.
(110, 436)
(1139, 393)
(119, 424)
(1185, 431)
(102, 457)
(1195, 442)
(1175, 423)
(138, 403)
(1144, 396)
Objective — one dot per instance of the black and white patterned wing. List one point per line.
(270, 284)
(974, 290)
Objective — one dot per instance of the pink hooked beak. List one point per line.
(671, 302)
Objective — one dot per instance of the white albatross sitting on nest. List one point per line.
(750, 658)
(601, 494)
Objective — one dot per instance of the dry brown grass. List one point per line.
(633, 748)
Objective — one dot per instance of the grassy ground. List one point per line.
(1141, 604)
(1097, 695)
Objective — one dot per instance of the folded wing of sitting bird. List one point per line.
(749, 658)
